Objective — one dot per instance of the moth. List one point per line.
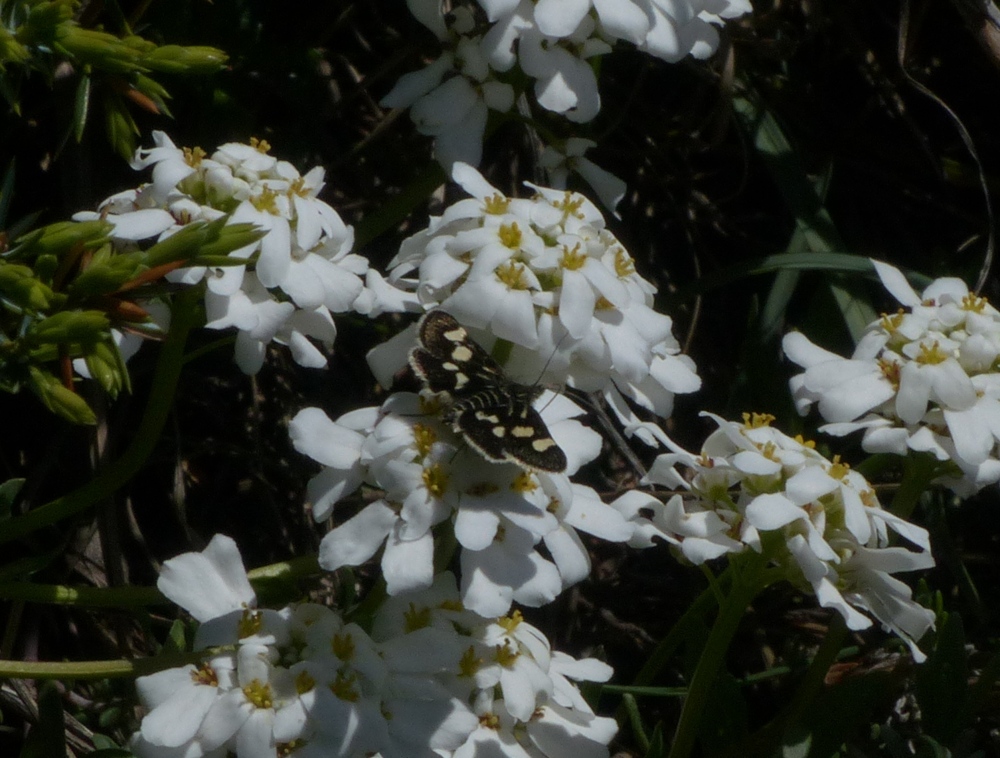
(492, 413)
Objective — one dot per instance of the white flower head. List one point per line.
(545, 275)
(923, 379)
(285, 287)
(818, 522)
(427, 474)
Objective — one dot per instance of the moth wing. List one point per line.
(431, 371)
(448, 341)
(485, 429)
(528, 443)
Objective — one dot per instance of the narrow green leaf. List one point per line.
(47, 738)
(81, 107)
(942, 683)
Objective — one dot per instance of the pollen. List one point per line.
(490, 721)
(510, 235)
(193, 156)
(206, 675)
(496, 204)
(298, 187)
(890, 370)
(470, 663)
(570, 205)
(264, 202)
(250, 623)
(931, 354)
(891, 323)
(512, 622)
(259, 694)
(524, 483)
(416, 618)
(304, 683)
(505, 655)
(757, 420)
(435, 479)
(811, 444)
(624, 265)
(839, 470)
(512, 275)
(572, 259)
(974, 303)
(344, 687)
(260, 145)
(342, 646)
(423, 438)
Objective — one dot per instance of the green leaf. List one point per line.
(840, 712)
(942, 683)
(657, 745)
(47, 738)
(6, 193)
(8, 494)
(81, 107)
(725, 723)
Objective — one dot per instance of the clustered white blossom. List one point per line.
(293, 279)
(818, 522)
(553, 43)
(925, 379)
(431, 680)
(547, 276)
(425, 474)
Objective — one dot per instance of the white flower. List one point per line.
(426, 475)
(284, 287)
(920, 380)
(545, 275)
(208, 584)
(451, 97)
(179, 701)
(820, 523)
(687, 27)
(559, 162)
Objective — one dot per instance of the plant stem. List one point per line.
(749, 579)
(185, 316)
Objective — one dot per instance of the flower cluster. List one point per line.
(426, 475)
(925, 379)
(817, 522)
(284, 287)
(431, 678)
(544, 274)
(553, 44)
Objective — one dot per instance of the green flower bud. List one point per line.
(99, 49)
(106, 274)
(229, 238)
(11, 51)
(107, 367)
(87, 327)
(120, 126)
(19, 286)
(177, 59)
(59, 399)
(60, 237)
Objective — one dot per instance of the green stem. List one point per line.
(185, 316)
(131, 597)
(669, 644)
(124, 668)
(763, 741)
(749, 579)
(918, 471)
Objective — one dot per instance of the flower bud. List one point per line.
(59, 399)
(178, 59)
(87, 327)
(19, 285)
